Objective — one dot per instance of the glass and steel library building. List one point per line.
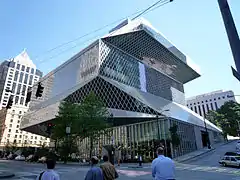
(139, 75)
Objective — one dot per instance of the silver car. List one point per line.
(230, 161)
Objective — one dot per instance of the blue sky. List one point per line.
(194, 26)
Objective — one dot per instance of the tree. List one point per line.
(174, 136)
(89, 119)
(175, 139)
(93, 120)
(227, 117)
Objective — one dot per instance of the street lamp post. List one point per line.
(68, 132)
(206, 131)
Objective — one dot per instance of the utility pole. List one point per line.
(232, 35)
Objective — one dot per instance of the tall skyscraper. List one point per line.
(17, 75)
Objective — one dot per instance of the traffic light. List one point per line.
(28, 98)
(10, 102)
(39, 90)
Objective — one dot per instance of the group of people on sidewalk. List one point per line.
(163, 168)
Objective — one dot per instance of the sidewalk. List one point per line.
(199, 152)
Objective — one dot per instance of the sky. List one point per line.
(194, 26)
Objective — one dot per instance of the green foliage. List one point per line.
(174, 136)
(87, 120)
(226, 117)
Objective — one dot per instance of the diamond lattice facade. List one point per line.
(139, 75)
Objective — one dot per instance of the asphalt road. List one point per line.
(26, 171)
(212, 158)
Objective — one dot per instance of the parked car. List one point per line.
(230, 161)
(20, 158)
(11, 156)
(42, 159)
(232, 154)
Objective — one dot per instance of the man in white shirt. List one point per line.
(49, 174)
(163, 168)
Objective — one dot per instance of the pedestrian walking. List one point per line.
(140, 161)
(109, 171)
(163, 168)
(49, 174)
(94, 173)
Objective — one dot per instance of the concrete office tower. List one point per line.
(204, 103)
(17, 75)
(139, 75)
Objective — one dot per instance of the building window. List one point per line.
(191, 108)
(212, 106)
(13, 111)
(15, 141)
(219, 98)
(7, 140)
(223, 97)
(35, 142)
(204, 112)
(26, 78)
(216, 106)
(23, 68)
(13, 87)
(11, 120)
(9, 130)
(12, 115)
(30, 142)
(10, 125)
(8, 135)
(31, 137)
(16, 75)
(20, 136)
(40, 142)
(207, 108)
(210, 100)
(194, 103)
(195, 109)
(25, 141)
(32, 71)
(21, 77)
(30, 79)
(19, 141)
(17, 126)
(18, 66)
(22, 100)
(20, 112)
(16, 131)
(35, 137)
(214, 99)
(198, 102)
(28, 68)
(18, 121)
(19, 117)
(16, 99)
(15, 136)
(199, 109)
(206, 101)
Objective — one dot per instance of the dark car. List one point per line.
(232, 154)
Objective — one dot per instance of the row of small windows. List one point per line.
(23, 68)
(21, 136)
(210, 100)
(19, 141)
(197, 109)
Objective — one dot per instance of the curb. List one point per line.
(4, 175)
(181, 161)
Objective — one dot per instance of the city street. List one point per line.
(204, 167)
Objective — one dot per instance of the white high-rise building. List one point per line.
(204, 103)
(16, 77)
